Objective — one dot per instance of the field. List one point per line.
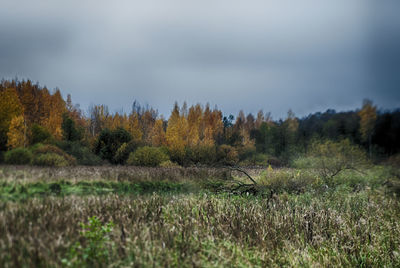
(197, 217)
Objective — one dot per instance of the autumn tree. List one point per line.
(98, 115)
(157, 134)
(194, 119)
(176, 135)
(17, 132)
(134, 128)
(367, 122)
(29, 97)
(55, 119)
(10, 107)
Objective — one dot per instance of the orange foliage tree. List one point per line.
(10, 107)
(17, 132)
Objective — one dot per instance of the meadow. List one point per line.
(114, 216)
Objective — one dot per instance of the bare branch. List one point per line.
(244, 172)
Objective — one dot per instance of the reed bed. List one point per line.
(208, 230)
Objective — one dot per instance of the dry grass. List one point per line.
(203, 230)
(339, 227)
(109, 173)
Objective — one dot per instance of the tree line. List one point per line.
(31, 114)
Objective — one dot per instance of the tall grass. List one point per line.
(336, 229)
(168, 217)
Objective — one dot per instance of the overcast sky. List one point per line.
(307, 55)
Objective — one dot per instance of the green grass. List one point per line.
(21, 191)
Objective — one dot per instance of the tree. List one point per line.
(288, 131)
(39, 134)
(157, 134)
(109, 141)
(134, 127)
(194, 121)
(98, 115)
(28, 95)
(176, 135)
(55, 119)
(367, 122)
(69, 130)
(10, 107)
(17, 133)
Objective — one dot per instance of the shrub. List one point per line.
(177, 154)
(168, 164)
(122, 154)
(303, 162)
(201, 154)
(275, 162)
(50, 160)
(49, 155)
(227, 155)
(83, 155)
(330, 158)
(18, 156)
(147, 156)
(246, 151)
(256, 160)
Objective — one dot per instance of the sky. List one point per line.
(307, 55)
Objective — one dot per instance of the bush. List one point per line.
(256, 160)
(201, 154)
(275, 162)
(49, 155)
(147, 156)
(304, 162)
(177, 154)
(18, 156)
(50, 160)
(168, 164)
(122, 154)
(330, 158)
(246, 151)
(227, 155)
(83, 155)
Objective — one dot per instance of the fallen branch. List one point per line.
(244, 172)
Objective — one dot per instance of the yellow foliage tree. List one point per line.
(176, 134)
(55, 119)
(10, 107)
(17, 133)
(134, 128)
(194, 121)
(157, 134)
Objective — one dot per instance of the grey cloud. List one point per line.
(249, 55)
